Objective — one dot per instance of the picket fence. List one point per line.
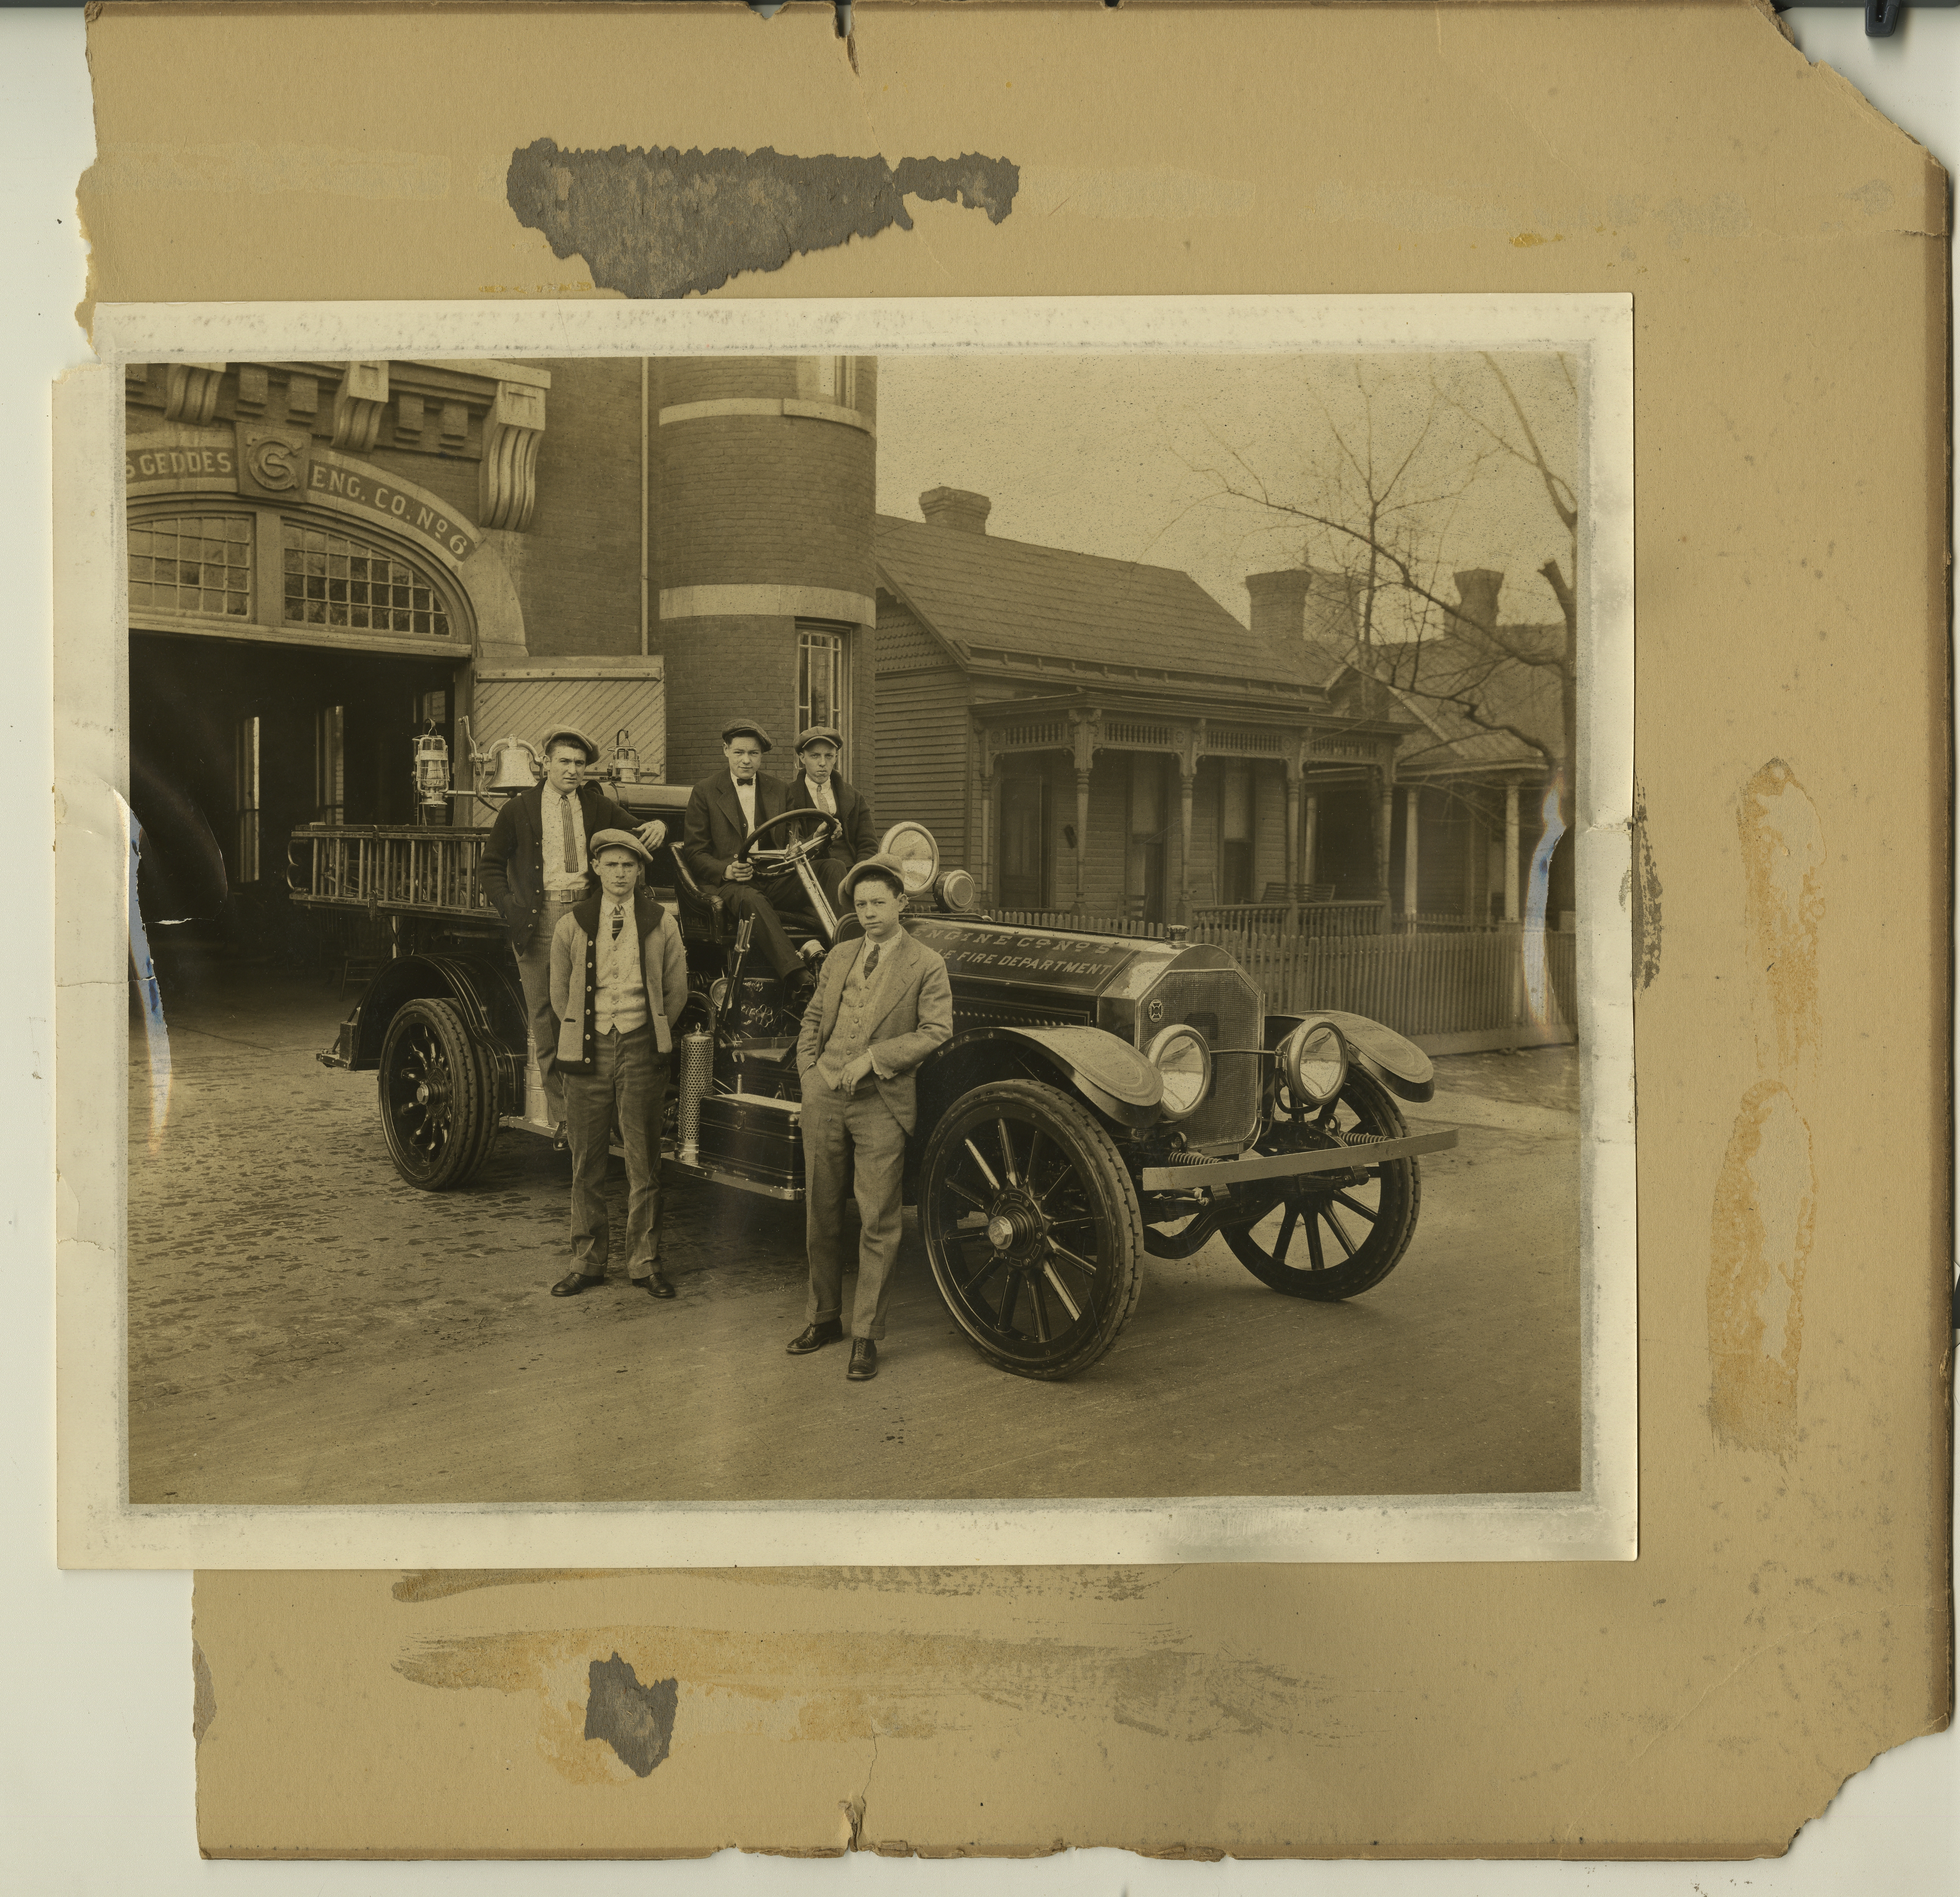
(1472, 982)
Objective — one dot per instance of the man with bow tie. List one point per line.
(619, 984)
(723, 811)
(882, 1005)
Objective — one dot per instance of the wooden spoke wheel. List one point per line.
(1332, 1236)
(1033, 1228)
(438, 1096)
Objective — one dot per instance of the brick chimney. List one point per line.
(1301, 602)
(1478, 590)
(956, 507)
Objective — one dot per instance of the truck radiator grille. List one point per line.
(1226, 1008)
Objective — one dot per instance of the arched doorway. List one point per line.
(282, 660)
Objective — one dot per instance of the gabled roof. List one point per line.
(1465, 698)
(982, 594)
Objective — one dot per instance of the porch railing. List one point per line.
(1094, 925)
(1315, 919)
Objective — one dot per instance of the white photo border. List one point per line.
(96, 1526)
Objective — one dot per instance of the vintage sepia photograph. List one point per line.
(899, 925)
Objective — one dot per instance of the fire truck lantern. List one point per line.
(432, 771)
(625, 759)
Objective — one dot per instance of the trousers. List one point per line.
(838, 1130)
(628, 1090)
(769, 902)
(534, 971)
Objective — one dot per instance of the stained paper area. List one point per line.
(1787, 1618)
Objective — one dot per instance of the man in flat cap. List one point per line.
(618, 983)
(882, 1005)
(817, 786)
(535, 867)
(723, 811)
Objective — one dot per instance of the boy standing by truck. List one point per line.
(619, 984)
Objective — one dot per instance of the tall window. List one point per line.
(246, 800)
(1235, 836)
(333, 579)
(820, 677)
(193, 563)
(329, 764)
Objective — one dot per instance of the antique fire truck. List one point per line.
(1102, 1096)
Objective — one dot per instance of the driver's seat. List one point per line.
(703, 917)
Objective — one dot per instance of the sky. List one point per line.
(1138, 456)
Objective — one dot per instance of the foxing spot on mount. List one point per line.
(664, 222)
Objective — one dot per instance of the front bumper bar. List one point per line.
(1332, 1159)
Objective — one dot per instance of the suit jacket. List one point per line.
(856, 841)
(715, 831)
(514, 857)
(914, 999)
(574, 976)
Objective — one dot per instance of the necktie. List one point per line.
(871, 962)
(571, 838)
(618, 922)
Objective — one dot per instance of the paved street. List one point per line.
(304, 1327)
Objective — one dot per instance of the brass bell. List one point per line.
(514, 765)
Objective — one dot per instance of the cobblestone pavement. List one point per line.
(303, 1326)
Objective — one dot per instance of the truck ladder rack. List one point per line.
(389, 869)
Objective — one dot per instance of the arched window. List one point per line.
(332, 579)
(193, 563)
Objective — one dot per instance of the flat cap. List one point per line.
(738, 728)
(890, 865)
(618, 840)
(554, 732)
(820, 734)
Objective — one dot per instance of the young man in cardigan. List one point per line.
(618, 983)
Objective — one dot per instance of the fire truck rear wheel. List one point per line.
(1033, 1228)
(438, 1096)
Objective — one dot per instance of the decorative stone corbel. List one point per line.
(190, 391)
(510, 434)
(358, 406)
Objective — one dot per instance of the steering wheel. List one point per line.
(798, 851)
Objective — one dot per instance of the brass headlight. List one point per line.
(918, 853)
(1183, 1062)
(1313, 1063)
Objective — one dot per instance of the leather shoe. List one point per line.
(657, 1286)
(863, 1360)
(813, 1337)
(574, 1282)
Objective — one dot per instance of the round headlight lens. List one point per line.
(1183, 1061)
(918, 853)
(1314, 1063)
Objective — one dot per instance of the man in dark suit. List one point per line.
(817, 787)
(882, 1005)
(534, 869)
(723, 811)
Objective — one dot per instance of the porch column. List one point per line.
(1310, 846)
(1295, 783)
(1087, 728)
(1187, 777)
(990, 894)
(1384, 827)
(1511, 851)
(1412, 812)
(1081, 833)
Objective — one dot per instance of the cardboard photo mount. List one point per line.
(1787, 251)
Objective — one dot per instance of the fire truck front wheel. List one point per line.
(438, 1096)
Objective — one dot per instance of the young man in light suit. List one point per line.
(882, 1005)
(619, 984)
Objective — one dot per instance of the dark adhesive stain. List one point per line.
(636, 1721)
(204, 1696)
(1645, 903)
(668, 223)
